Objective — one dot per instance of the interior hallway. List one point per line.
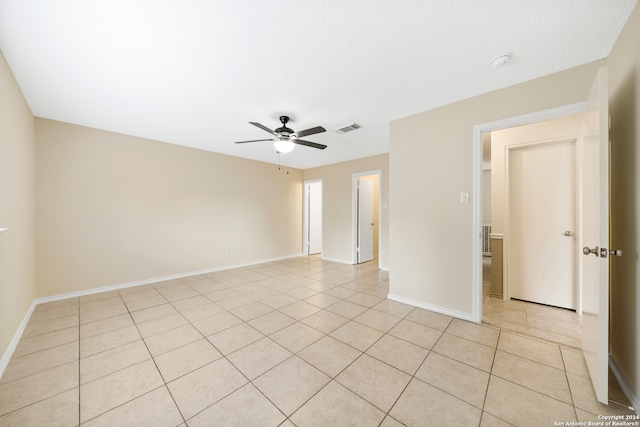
(298, 342)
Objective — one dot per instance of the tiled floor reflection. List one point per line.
(298, 342)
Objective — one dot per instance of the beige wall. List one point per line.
(624, 107)
(431, 156)
(17, 263)
(115, 209)
(337, 230)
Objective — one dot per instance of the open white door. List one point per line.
(365, 220)
(314, 210)
(594, 266)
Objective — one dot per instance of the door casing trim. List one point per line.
(305, 214)
(476, 229)
(354, 213)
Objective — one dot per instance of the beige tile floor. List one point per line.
(299, 342)
(550, 323)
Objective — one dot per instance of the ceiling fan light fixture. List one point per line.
(284, 146)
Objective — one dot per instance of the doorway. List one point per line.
(497, 234)
(366, 216)
(532, 268)
(312, 224)
(593, 316)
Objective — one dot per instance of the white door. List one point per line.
(365, 220)
(541, 241)
(594, 265)
(314, 210)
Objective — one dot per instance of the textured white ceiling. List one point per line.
(195, 72)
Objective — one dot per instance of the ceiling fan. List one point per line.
(285, 138)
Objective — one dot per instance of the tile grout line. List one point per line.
(120, 297)
(464, 363)
(226, 358)
(361, 290)
(331, 379)
(413, 376)
(249, 381)
(486, 393)
(151, 358)
(293, 354)
(154, 361)
(557, 345)
(566, 376)
(533, 337)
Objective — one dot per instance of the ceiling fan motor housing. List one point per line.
(284, 130)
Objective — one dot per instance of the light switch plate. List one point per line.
(464, 198)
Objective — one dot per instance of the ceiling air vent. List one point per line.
(348, 128)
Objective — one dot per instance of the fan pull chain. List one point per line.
(279, 163)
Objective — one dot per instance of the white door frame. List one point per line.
(478, 130)
(354, 213)
(305, 213)
(506, 216)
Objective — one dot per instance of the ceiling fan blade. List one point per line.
(311, 131)
(308, 144)
(255, 140)
(264, 128)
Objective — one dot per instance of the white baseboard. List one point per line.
(624, 384)
(435, 308)
(156, 279)
(16, 339)
(339, 261)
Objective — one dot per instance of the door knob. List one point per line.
(568, 233)
(602, 252)
(588, 251)
(616, 252)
